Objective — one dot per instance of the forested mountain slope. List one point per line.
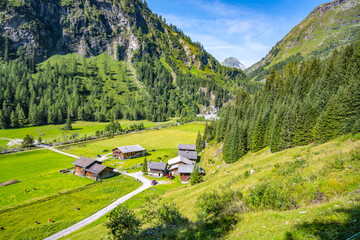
(329, 26)
(155, 72)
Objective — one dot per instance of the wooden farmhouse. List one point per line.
(187, 147)
(92, 169)
(175, 162)
(191, 155)
(129, 152)
(157, 169)
(185, 172)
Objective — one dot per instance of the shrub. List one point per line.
(123, 224)
(247, 174)
(270, 196)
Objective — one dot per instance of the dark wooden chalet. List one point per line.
(185, 172)
(128, 152)
(93, 169)
(157, 169)
(187, 147)
(191, 155)
(175, 162)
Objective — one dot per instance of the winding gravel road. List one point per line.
(138, 175)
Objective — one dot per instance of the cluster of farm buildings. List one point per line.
(183, 165)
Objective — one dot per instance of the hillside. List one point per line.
(102, 60)
(327, 27)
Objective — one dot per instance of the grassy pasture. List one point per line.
(160, 144)
(327, 169)
(35, 169)
(20, 223)
(55, 132)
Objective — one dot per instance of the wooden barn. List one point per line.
(185, 172)
(175, 162)
(129, 152)
(157, 169)
(93, 169)
(186, 147)
(191, 155)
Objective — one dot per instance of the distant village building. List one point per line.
(128, 152)
(175, 162)
(92, 169)
(157, 169)
(185, 172)
(191, 155)
(187, 147)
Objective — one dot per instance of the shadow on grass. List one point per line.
(328, 228)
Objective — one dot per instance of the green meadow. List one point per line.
(55, 132)
(161, 144)
(323, 180)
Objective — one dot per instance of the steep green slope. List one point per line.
(327, 27)
(128, 63)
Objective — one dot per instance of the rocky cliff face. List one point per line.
(41, 28)
(233, 62)
(327, 27)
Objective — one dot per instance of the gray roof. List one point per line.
(158, 166)
(189, 147)
(179, 159)
(188, 154)
(84, 162)
(96, 168)
(133, 148)
(189, 169)
(186, 168)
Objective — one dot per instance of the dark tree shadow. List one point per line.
(331, 229)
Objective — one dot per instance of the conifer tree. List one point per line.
(68, 125)
(145, 167)
(14, 120)
(21, 118)
(199, 142)
(196, 177)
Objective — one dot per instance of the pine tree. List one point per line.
(39, 140)
(6, 54)
(14, 120)
(68, 125)
(21, 118)
(199, 143)
(145, 167)
(27, 141)
(196, 177)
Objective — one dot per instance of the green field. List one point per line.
(55, 132)
(20, 223)
(35, 169)
(329, 171)
(160, 144)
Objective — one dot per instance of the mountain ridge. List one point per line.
(233, 62)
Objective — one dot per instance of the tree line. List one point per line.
(314, 101)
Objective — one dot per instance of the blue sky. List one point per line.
(246, 30)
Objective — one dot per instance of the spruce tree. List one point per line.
(145, 167)
(21, 118)
(196, 177)
(199, 142)
(14, 120)
(68, 125)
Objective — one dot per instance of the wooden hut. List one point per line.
(93, 169)
(186, 147)
(157, 169)
(129, 152)
(191, 155)
(185, 172)
(175, 162)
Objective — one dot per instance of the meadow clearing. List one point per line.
(161, 144)
(52, 195)
(51, 133)
(323, 180)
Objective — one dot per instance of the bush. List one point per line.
(270, 196)
(123, 224)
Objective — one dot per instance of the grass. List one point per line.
(160, 144)
(323, 179)
(60, 209)
(35, 169)
(3, 143)
(54, 132)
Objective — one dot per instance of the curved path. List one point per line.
(58, 151)
(138, 175)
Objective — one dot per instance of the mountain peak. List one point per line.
(233, 62)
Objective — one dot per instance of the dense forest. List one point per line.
(311, 101)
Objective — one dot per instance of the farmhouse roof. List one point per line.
(186, 168)
(192, 155)
(179, 159)
(189, 147)
(189, 169)
(133, 148)
(96, 168)
(84, 162)
(158, 166)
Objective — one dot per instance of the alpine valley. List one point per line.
(116, 125)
